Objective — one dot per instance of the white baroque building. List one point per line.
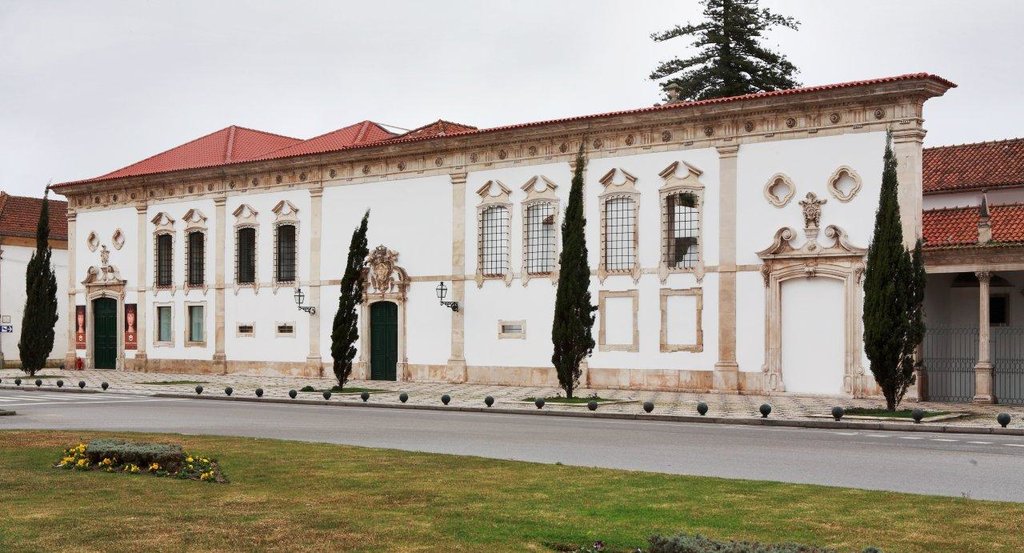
(727, 241)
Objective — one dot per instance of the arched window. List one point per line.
(494, 242)
(245, 242)
(196, 258)
(285, 242)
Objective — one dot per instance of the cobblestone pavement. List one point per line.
(672, 403)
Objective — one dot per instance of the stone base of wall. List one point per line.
(203, 366)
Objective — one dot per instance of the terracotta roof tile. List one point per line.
(19, 216)
(958, 226)
(352, 135)
(437, 128)
(974, 166)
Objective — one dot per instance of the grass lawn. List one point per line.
(575, 400)
(304, 496)
(172, 382)
(898, 414)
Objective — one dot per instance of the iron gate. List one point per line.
(950, 354)
(1008, 364)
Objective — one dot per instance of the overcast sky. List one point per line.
(88, 87)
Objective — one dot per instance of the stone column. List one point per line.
(220, 220)
(141, 286)
(71, 355)
(906, 145)
(457, 360)
(314, 363)
(983, 369)
(726, 375)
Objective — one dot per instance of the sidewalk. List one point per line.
(508, 397)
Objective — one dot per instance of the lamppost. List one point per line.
(442, 291)
(299, 299)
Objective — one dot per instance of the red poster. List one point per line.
(130, 335)
(79, 327)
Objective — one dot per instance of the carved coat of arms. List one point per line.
(383, 273)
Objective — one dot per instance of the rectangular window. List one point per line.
(246, 330)
(682, 244)
(196, 324)
(164, 328)
(285, 329)
(515, 330)
(246, 244)
(540, 238)
(164, 260)
(620, 234)
(285, 253)
(494, 254)
(196, 259)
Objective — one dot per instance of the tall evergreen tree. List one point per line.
(893, 295)
(571, 330)
(40, 314)
(730, 61)
(346, 320)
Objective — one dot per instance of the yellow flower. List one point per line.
(189, 459)
(154, 467)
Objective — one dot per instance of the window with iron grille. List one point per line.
(164, 259)
(682, 235)
(540, 238)
(246, 255)
(285, 253)
(494, 245)
(619, 234)
(196, 258)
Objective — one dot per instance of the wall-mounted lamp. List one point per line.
(299, 299)
(442, 292)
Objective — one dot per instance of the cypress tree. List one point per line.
(346, 320)
(730, 60)
(893, 295)
(40, 315)
(574, 314)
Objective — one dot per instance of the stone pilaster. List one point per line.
(726, 373)
(141, 282)
(72, 353)
(906, 146)
(457, 360)
(983, 369)
(313, 361)
(220, 220)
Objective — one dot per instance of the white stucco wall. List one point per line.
(13, 264)
(998, 196)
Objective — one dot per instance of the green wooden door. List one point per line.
(383, 340)
(104, 346)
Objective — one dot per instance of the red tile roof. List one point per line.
(19, 216)
(974, 166)
(352, 135)
(228, 145)
(373, 136)
(958, 226)
(437, 128)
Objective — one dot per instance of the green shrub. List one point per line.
(168, 456)
(307, 389)
(699, 544)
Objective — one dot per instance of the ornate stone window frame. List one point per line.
(384, 280)
(698, 345)
(612, 190)
(540, 190)
(279, 334)
(246, 217)
(505, 333)
(164, 224)
(189, 343)
(285, 213)
(833, 183)
(157, 342)
(103, 281)
(117, 239)
(93, 241)
(251, 333)
(195, 221)
(493, 194)
(783, 261)
(602, 298)
(674, 184)
(779, 201)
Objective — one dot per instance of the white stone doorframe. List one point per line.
(383, 280)
(94, 292)
(401, 368)
(840, 261)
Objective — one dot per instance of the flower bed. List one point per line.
(141, 458)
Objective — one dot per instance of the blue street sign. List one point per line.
(7, 328)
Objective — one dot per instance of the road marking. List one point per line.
(877, 435)
(1014, 445)
(846, 433)
(981, 443)
(911, 438)
(942, 440)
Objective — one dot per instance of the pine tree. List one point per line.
(346, 320)
(40, 315)
(730, 60)
(893, 295)
(574, 314)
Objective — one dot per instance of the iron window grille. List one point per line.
(245, 244)
(196, 255)
(620, 234)
(682, 239)
(164, 260)
(285, 270)
(494, 241)
(540, 238)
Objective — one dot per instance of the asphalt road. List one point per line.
(975, 466)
